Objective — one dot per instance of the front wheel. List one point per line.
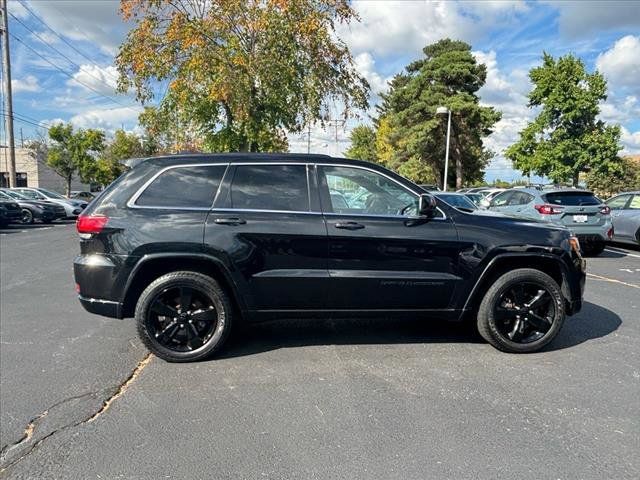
(522, 311)
(183, 316)
(27, 216)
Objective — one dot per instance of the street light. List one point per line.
(445, 111)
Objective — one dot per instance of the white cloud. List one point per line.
(621, 64)
(17, 9)
(100, 79)
(365, 64)
(580, 18)
(28, 84)
(45, 36)
(108, 119)
(630, 141)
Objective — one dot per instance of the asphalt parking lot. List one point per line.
(81, 398)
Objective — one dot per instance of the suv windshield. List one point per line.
(572, 198)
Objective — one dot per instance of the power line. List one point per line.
(68, 74)
(19, 118)
(63, 55)
(64, 40)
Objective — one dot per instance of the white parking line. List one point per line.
(612, 280)
(611, 250)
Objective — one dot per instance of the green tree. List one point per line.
(449, 76)
(566, 138)
(74, 153)
(608, 183)
(239, 73)
(122, 147)
(363, 144)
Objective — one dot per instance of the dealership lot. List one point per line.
(326, 399)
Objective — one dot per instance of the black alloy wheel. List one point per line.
(524, 312)
(183, 316)
(27, 216)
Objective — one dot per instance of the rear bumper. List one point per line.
(106, 308)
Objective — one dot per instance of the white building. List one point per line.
(34, 172)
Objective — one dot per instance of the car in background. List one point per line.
(580, 210)
(625, 216)
(456, 200)
(86, 196)
(72, 208)
(476, 198)
(10, 212)
(33, 210)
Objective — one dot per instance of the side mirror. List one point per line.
(426, 205)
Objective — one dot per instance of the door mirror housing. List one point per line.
(426, 205)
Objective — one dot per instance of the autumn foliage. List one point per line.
(238, 73)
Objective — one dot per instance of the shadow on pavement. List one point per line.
(273, 335)
(592, 322)
(610, 254)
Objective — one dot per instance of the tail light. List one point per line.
(88, 224)
(605, 210)
(548, 209)
(610, 233)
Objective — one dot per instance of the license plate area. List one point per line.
(580, 219)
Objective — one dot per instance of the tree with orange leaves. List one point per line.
(240, 73)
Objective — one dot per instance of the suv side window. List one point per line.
(183, 187)
(502, 199)
(353, 190)
(618, 203)
(520, 198)
(270, 187)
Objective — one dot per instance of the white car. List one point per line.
(72, 208)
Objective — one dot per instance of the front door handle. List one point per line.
(349, 225)
(230, 221)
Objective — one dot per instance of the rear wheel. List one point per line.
(183, 316)
(522, 311)
(27, 216)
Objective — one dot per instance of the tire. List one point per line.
(27, 216)
(181, 334)
(495, 305)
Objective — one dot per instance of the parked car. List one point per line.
(10, 212)
(191, 244)
(430, 187)
(625, 216)
(580, 210)
(72, 208)
(86, 196)
(489, 193)
(456, 200)
(476, 198)
(32, 210)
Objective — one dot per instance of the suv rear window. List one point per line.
(572, 198)
(183, 187)
(270, 187)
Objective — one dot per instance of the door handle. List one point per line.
(349, 225)
(230, 221)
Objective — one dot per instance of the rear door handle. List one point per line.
(230, 221)
(349, 225)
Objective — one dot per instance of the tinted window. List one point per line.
(270, 187)
(360, 191)
(572, 198)
(184, 187)
(502, 199)
(520, 198)
(458, 201)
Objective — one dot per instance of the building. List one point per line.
(32, 171)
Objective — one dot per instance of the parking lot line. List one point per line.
(611, 250)
(613, 280)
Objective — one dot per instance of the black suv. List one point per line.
(190, 244)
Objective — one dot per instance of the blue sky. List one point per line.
(63, 70)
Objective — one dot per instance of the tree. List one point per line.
(73, 153)
(239, 73)
(363, 144)
(566, 138)
(123, 146)
(608, 183)
(449, 76)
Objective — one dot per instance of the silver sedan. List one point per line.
(625, 216)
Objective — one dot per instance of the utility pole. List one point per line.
(336, 122)
(21, 139)
(6, 86)
(309, 139)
